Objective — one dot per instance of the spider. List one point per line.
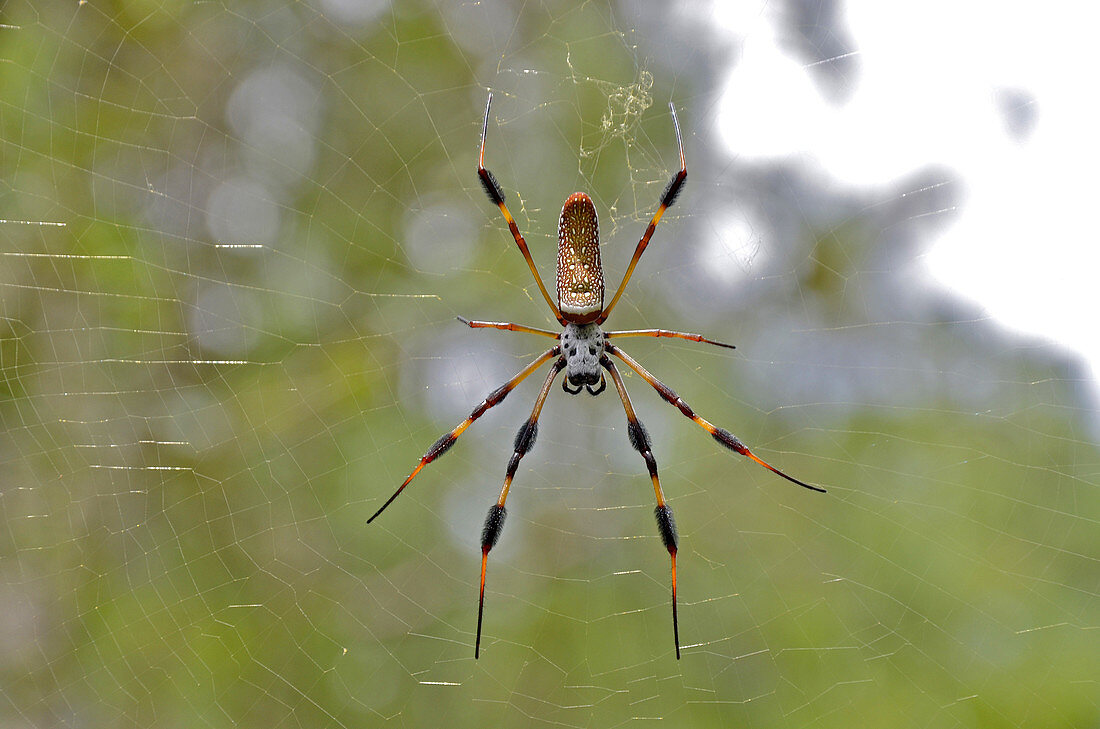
(583, 348)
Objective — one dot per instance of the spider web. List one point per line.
(235, 241)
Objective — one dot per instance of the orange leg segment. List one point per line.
(442, 445)
(494, 522)
(723, 436)
(666, 525)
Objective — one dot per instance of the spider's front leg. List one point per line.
(448, 439)
(723, 436)
(494, 522)
(666, 525)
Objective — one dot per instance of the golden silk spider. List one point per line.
(582, 350)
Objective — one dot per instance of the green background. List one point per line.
(194, 433)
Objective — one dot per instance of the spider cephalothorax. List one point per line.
(584, 352)
(582, 348)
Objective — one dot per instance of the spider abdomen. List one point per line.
(580, 272)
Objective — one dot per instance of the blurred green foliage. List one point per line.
(184, 538)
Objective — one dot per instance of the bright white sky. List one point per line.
(1024, 244)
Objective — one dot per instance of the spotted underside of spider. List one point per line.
(584, 351)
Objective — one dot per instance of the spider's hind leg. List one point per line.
(667, 198)
(496, 194)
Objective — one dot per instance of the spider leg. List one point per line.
(507, 326)
(666, 333)
(496, 194)
(448, 439)
(494, 522)
(666, 525)
(723, 436)
(667, 198)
